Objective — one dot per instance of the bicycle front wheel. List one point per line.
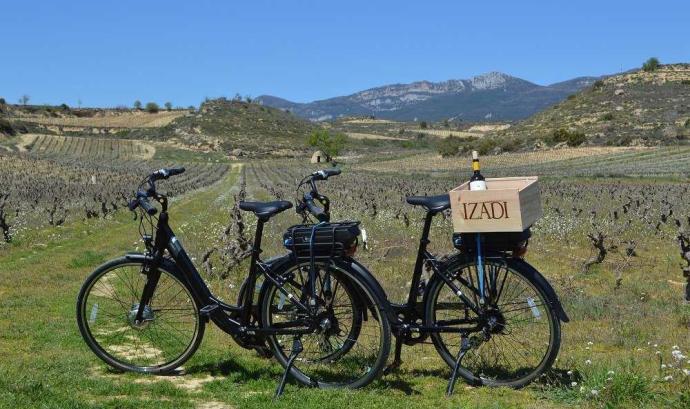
(352, 342)
(107, 306)
(518, 333)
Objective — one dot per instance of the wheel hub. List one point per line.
(495, 321)
(146, 317)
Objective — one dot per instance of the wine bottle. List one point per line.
(477, 181)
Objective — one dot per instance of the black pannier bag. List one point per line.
(500, 241)
(326, 240)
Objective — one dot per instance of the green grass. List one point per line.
(45, 363)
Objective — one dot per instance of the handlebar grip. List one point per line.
(325, 173)
(166, 173)
(316, 210)
(332, 172)
(175, 171)
(147, 206)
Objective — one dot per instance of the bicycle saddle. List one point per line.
(433, 204)
(265, 210)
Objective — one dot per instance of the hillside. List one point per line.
(493, 96)
(634, 108)
(239, 128)
(220, 125)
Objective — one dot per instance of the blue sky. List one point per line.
(112, 53)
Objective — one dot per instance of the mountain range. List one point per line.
(493, 96)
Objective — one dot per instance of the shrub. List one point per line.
(486, 146)
(576, 139)
(687, 123)
(449, 146)
(64, 107)
(6, 127)
(152, 107)
(651, 64)
(571, 138)
(598, 84)
(572, 97)
(423, 125)
(685, 82)
(607, 116)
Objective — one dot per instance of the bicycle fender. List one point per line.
(541, 280)
(375, 286)
(166, 263)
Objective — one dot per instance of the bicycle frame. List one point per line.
(232, 319)
(410, 310)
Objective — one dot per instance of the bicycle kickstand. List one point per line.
(296, 349)
(397, 360)
(464, 347)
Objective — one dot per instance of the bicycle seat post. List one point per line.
(256, 251)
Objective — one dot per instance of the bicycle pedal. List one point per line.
(207, 310)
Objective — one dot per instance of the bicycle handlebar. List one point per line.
(141, 199)
(325, 173)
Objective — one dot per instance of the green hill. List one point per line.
(236, 127)
(634, 108)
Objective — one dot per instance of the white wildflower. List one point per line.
(595, 392)
(573, 384)
(588, 362)
(668, 378)
(610, 373)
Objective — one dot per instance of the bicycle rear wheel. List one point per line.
(108, 302)
(525, 334)
(351, 345)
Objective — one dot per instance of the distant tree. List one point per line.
(651, 64)
(2, 101)
(248, 99)
(64, 107)
(423, 125)
(137, 104)
(79, 103)
(237, 97)
(330, 144)
(446, 124)
(168, 106)
(24, 99)
(152, 107)
(191, 107)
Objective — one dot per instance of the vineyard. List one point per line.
(609, 245)
(101, 119)
(581, 162)
(100, 148)
(38, 190)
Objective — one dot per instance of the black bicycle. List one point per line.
(493, 318)
(147, 312)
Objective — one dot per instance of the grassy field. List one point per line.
(616, 352)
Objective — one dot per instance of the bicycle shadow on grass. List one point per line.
(240, 372)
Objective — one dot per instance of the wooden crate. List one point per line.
(507, 205)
